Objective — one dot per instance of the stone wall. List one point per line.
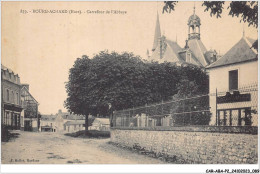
(193, 147)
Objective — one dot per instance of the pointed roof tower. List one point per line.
(157, 33)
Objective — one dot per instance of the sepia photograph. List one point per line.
(121, 82)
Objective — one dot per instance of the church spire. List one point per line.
(243, 30)
(194, 8)
(157, 34)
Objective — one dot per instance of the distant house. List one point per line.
(101, 124)
(74, 125)
(234, 77)
(48, 123)
(62, 122)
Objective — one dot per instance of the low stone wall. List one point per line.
(193, 147)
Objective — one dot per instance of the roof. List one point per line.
(26, 90)
(48, 117)
(240, 52)
(198, 49)
(157, 33)
(210, 54)
(75, 122)
(68, 116)
(194, 20)
(171, 53)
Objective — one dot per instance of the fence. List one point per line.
(238, 107)
(235, 108)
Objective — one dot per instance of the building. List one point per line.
(101, 124)
(194, 51)
(234, 79)
(30, 120)
(74, 126)
(62, 122)
(48, 123)
(11, 107)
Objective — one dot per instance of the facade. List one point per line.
(11, 98)
(234, 78)
(30, 120)
(194, 51)
(101, 124)
(48, 123)
(74, 126)
(62, 122)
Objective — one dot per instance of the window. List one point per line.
(17, 98)
(7, 95)
(233, 80)
(13, 100)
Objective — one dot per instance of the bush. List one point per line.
(90, 134)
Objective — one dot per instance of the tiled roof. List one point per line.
(75, 122)
(48, 117)
(198, 49)
(240, 52)
(69, 116)
(171, 53)
(175, 48)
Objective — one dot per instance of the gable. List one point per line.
(240, 52)
(198, 49)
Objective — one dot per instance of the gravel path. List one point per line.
(55, 148)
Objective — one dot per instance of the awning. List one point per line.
(13, 107)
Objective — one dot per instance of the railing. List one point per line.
(238, 108)
(184, 111)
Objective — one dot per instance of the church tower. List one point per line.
(157, 34)
(194, 26)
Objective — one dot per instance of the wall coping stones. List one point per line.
(218, 129)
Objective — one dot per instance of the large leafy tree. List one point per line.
(247, 11)
(113, 81)
(109, 79)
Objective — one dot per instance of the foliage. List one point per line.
(125, 81)
(30, 110)
(90, 134)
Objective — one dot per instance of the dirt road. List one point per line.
(55, 148)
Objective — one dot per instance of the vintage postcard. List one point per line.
(116, 82)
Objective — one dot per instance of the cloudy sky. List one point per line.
(41, 47)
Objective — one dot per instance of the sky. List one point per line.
(42, 47)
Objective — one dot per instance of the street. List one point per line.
(55, 148)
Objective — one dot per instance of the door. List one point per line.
(27, 125)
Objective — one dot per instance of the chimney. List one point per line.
(26, 86)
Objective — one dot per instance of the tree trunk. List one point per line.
(86, 124)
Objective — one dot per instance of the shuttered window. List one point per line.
(233, 80)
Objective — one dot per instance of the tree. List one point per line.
(246, 10)
(113, 81)
(77, 100)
